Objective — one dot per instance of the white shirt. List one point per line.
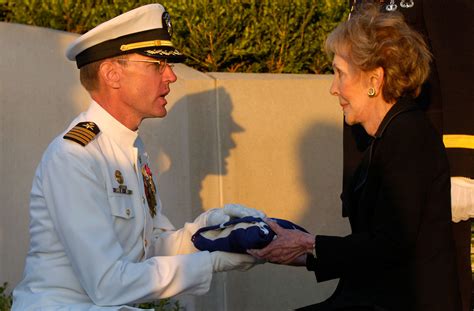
(92, 247)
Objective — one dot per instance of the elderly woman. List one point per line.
(400, 253)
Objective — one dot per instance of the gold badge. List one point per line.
(121, 188)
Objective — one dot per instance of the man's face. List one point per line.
(144, 86)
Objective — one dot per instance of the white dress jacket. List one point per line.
(92, 248)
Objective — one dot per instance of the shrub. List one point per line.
(5, 299)
(216, 35)
(161, 305)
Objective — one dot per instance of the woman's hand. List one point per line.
(289, 246)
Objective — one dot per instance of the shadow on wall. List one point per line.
(211, 129)
(320, 152)
(191, 143)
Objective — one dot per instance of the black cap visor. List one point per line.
(155, 43)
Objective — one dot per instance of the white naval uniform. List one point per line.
(93, 248)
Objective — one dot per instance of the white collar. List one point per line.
(111, 126)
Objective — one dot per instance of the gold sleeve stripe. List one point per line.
(84, 137)
(145, 44)
(76, 138)
(459, 141)
(81, 131)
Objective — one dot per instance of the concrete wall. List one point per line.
(273, 142)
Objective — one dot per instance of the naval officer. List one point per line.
(98, 238)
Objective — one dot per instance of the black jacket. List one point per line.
(400, 254)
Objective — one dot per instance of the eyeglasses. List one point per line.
(160, 65)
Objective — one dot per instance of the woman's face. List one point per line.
(351, 85)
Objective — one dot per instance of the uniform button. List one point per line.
(145, 242)
(127, 211)
(143, 200)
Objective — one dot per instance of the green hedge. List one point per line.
(5, 298)
(278, 36)
(6, 301)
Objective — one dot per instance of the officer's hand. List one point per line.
(223, 261)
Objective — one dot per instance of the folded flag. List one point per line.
(239, 235)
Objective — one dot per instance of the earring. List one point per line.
(371, 92)
(406, 5)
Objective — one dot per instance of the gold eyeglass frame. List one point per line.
(162, 64)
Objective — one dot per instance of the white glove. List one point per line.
(223, 261)
(221, 215)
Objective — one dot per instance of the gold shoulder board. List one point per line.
(82, 133)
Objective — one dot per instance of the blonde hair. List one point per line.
(372, 39)
(89, 74)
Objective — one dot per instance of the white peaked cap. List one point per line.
(145, 30)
